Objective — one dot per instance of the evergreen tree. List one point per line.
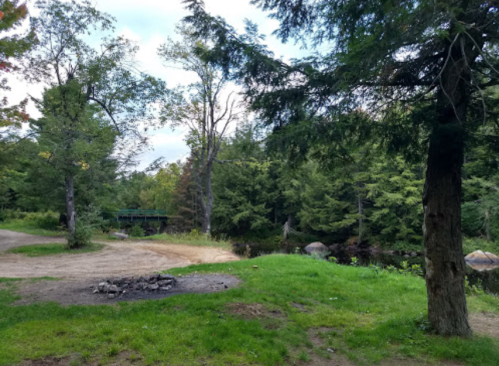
(433, 59)
(243, 190)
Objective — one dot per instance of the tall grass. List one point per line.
(193, 238)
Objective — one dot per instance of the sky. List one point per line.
(150, 23)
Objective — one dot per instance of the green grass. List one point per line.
(197, 240)
(38, 250)
(28, 227)
(370, 316)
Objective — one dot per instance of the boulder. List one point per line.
(316, 247)
(480, 257)
(113, 289)
(166, 277)
(494, 258)
(104, 287)
(119, 236)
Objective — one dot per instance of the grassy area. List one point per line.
(28, 227)
(368, 316)
(38, 250)
(198, 240)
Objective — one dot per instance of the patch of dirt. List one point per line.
(410, 362)
(122, 359)
(323, 355)
(116, 259)
(80, 292)
(300, 307)
(485, 324)
(252, 311)
(47, 361)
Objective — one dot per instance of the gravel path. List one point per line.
(116, 259)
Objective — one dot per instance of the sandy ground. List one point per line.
(116, 259)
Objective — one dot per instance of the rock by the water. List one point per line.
(119, 236)
(316, 247)
(481, 257)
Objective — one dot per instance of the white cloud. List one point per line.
(150, 23)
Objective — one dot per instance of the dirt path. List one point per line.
(116, 259)
(12, 239)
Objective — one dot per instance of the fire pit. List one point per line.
(123, 286)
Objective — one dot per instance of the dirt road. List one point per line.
(117, 258)
(12, 239)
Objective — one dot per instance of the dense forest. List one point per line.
(385, 136)
(368, 195)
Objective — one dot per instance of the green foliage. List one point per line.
(243, 189)
(476, 289)
(480, 215)
(472, 244)
(88, 222)
(13, 47)
(137, 232)
(159, 189)
(472, 217)
(82, 236)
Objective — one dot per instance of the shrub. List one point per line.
(110, 225)
(472, 244)
(137, 232)
(47, 221)
(86, 223)
(83, 235)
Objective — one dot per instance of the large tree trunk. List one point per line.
(70, 208)
(445, 266)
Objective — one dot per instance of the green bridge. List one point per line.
(140, 215)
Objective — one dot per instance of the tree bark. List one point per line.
(445, 265)
(70, 208)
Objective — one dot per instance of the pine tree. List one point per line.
(434, 60)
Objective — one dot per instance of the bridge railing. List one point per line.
(140, 213)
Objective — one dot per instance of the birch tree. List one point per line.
(204, 108)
